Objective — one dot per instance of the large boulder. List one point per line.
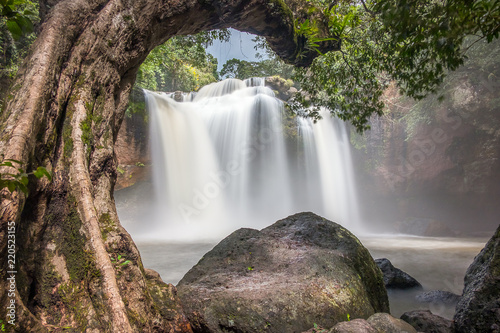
(386, 323)
(377, 323)
(426, 321)
(394, 278)
(301, 271)
(479, 309)
(353, 326)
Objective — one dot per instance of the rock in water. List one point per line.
(426, 321)
(438, 297)
(394, 278)
(479, 309)
(302, 270)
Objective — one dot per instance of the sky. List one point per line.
(240, 46)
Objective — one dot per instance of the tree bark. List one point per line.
(64, 113)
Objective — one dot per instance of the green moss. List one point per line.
(89, 107)
(68, 149)
(49, 279)
(80, 262)
(107, 135)
(72, 295)
(164, 299)
(68, 128)
(282, 8)
(136, 321)
(80, 82)
(106, 224)
(87, 135)
(51, 143)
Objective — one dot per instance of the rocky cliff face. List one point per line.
(437, 160)
(132, 146)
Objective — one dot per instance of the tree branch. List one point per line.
(367, 9)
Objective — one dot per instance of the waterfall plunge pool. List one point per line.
(437, 263)
(230, 157)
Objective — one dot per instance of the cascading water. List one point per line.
(224, 159)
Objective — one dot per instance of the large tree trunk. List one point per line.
(64, 113)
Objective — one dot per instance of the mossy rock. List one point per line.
(479, 308)
(301, 271)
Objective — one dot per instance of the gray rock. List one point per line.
(377, 323)
(394, 278)
(283, 88)
(479, 309)
(353, 326)
(384, 322)
(316, 329)
(426, 321)
(438, 297)
(301, 271)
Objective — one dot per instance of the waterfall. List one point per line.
(224, 159)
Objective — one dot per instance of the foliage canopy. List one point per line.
(414, 43)
(18, 16)
(410, 42)
(242, 69)
(181, 63)
(17, 21)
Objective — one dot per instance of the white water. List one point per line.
(222, 160)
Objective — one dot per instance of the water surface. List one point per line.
(437, 263)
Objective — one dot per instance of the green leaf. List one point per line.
(14, 29)
(7, 11)
(24, 180)
(125, 263)
(11, 186)
(25, 24)
(40, 172)
(23, 188)
(15, 161)
(29, 13)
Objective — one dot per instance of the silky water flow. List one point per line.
(229, 157)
